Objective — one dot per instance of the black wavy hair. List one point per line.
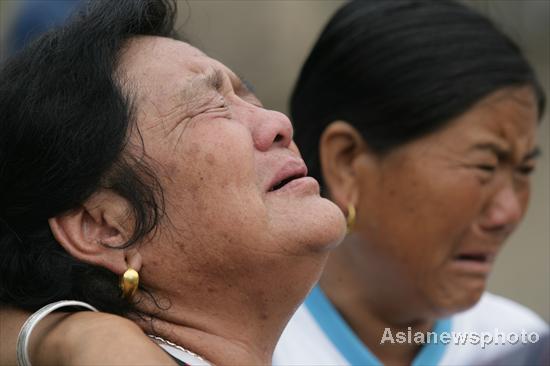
(397, 70)
(64, 126)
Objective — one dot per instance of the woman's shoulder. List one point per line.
(81, 337)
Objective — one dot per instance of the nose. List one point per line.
(504, 211)
(270, 129)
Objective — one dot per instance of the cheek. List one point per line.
(211, 188)
(459, 201)
(453, 205)
(422, 219)
(213, 159)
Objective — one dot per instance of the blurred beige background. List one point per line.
(267, 41)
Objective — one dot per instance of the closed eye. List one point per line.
(526, 169)
(487, 168)
(220, 108)
(218, 105)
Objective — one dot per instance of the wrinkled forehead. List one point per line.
(512, 112)
(159, 69)
(146, 53)
(504, 123)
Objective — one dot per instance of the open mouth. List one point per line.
(285, 181)
(476, 264)
(481, 258)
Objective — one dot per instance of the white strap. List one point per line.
(188, 358)
(27, 328)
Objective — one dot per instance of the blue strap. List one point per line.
(351, 347)
(338, 331)
(432, 353)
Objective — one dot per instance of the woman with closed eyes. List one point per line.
(425, 141)
(127, 153)
(419, 119)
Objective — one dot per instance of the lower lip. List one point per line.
(472, 267)
(300, 185)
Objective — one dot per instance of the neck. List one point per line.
(231, 320)
(370, 304)
(212, 348)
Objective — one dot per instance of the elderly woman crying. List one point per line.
(125, 151)
(420, 120)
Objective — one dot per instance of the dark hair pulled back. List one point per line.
(397, 70)
(64, 129)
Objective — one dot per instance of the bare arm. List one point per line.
(11, 321)
(82, 338)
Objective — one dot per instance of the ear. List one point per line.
(93, 231)
(342, 153)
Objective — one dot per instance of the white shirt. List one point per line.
(318, 335)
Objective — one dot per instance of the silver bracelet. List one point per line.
(27, 328)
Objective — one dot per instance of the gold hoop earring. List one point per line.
(129, 282)
(350, 218)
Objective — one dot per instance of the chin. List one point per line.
(318, 226)
(462, 299)
(328, 226)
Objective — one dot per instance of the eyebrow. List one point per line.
(503, 153)
(201, 84)
(214, 81)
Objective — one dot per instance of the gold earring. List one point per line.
(129, 283)
(350, 218)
